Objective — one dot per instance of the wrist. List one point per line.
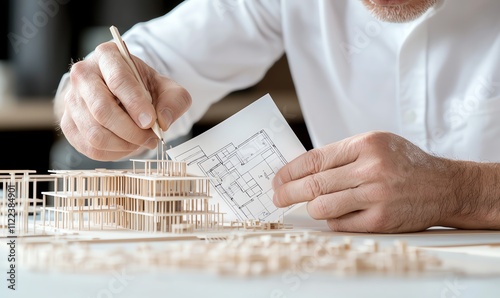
(473, 201)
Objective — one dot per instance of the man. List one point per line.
(399, 96)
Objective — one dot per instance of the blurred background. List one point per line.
(40, 38)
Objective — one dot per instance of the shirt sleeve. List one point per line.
(211, 48)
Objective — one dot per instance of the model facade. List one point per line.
(153, 196)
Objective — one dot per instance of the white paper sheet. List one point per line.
(244, 153)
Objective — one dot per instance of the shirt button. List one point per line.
(409, 117)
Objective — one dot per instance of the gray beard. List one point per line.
(399, 14)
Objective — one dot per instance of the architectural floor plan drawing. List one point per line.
(243, 173)
(257, 143)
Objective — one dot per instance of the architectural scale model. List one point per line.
(154, 196)
(18, 200)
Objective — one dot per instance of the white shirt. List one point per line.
(434, 81)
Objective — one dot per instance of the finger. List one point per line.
(123, 84)
(70, 129)
(310, 187)
(171, 102)
(351, 222)
(100, 138)
(101, 104)
(97, 136)
(317, 160)
(335, 205)
(91, 131)
(363, 221)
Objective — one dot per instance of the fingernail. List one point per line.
(145, 119)
(167, 117)
(151, 143)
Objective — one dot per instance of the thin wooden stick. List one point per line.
(128, 58)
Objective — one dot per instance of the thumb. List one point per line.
(172, 101)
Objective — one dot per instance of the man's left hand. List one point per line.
(373, 182)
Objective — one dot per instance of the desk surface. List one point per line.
(484, 281)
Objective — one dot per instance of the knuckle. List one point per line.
(375, 139)
(93, 154)
(116, 82)
(185, 98)
(131, 147)
(377, 225)
(280, 199)
(100, 110)
(64, 122)
(365, 172)
(285, 173)
(122, 86)
(313, 186)
(318, 208)
(104, 48)
(379, 222)
(373, 170)
(314, 160)
(336, 225)
(66, 127)
(78, 71)
(378, 164)
(172, 98)
(96, 154)
(139, 136)
(70, 99)
(69, 133)
(134, 106)
(378, 135)
(96, 137)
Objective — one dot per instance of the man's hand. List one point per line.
(380, 182)
(107, 114)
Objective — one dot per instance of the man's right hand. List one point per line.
(107, 114)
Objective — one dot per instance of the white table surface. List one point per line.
(483, 282)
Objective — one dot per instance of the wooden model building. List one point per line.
(154, 196)
(19, 201)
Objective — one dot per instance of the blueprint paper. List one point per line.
(243, 153)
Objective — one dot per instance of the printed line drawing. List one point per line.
(243, 173)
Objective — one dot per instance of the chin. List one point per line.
(398, 11)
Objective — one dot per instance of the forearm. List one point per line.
(474, 199)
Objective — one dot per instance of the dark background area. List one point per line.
(40, 58)
(4, 28)
(68, 33)
(62, 32)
